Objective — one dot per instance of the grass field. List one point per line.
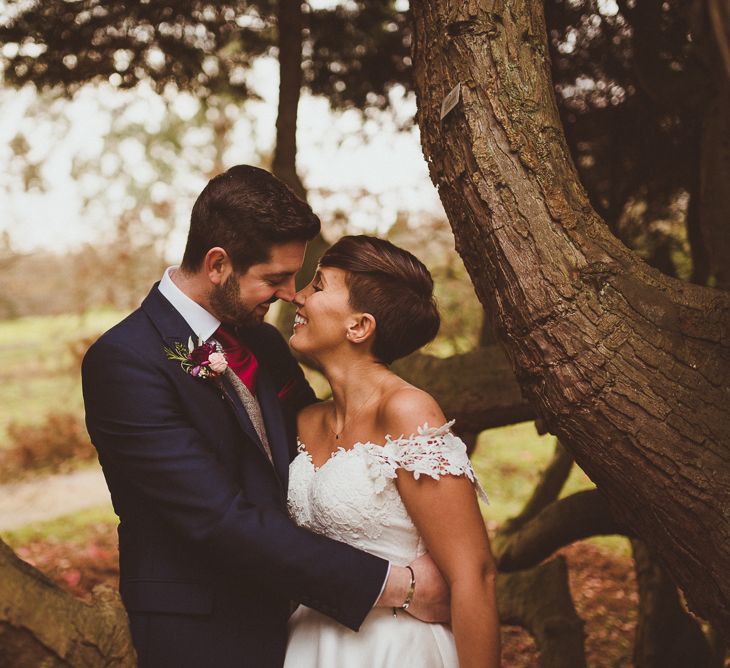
(38, 370)
(39, 374)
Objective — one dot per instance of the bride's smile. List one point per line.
(325, 320)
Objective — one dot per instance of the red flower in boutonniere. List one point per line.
(202, 361)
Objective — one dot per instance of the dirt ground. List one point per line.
(43, 498)
(603, 586)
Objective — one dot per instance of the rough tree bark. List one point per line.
(539, 600)
(629, 368)
(666, 636)
(41, 625)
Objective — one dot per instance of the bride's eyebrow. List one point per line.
(319, 277)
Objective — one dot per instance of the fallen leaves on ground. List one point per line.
(602, 583)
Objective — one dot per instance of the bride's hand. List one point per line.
(431, 598)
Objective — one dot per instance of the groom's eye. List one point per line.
(316, 288)
(273, 281)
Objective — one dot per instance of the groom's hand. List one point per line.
(431, 599)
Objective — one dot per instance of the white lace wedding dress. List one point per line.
(353, 498)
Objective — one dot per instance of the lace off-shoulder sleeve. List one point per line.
(433, 451)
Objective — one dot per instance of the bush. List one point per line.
(52, 445)
(78, 348)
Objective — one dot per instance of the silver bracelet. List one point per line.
(409, 594)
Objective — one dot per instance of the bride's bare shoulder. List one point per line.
(407, 408)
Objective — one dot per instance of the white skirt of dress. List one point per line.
(383, 641)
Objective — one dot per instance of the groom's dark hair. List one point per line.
(246, 210)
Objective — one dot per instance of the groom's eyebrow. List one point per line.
(279, 276)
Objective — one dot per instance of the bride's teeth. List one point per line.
(300, 320)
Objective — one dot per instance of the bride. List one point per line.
(379, 468)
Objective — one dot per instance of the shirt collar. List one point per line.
(202, 322)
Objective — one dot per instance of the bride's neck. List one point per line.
(354, 382)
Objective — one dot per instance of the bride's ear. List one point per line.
(361, 328)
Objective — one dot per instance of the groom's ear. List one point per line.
(361, 328)
(217, 265)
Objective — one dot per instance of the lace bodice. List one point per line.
(353, 498)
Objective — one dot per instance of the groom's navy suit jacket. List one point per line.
(209, 560)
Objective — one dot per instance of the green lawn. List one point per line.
(509, 460)
(38, 373)
(62, 529)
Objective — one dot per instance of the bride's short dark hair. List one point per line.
(392, 285)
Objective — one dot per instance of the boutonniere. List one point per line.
(202, 361)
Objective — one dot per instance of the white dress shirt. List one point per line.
(202, 322)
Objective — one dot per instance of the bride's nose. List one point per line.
(300, 297)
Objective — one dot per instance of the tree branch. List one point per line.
(477, 389)
(539, 601)
(561, 523)
(546, 490)
(42, 625)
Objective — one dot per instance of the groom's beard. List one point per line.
(229, 308)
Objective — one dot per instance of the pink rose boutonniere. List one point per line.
(202, 361)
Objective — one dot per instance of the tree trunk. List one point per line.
(714, 180)
(629, 368)
(41, 625)
(711, 29)
(284, 165)
(698, 252)
(539, 601)
(666, 636)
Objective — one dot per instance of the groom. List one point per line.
(196, 458)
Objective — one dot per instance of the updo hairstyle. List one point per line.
(394, 287)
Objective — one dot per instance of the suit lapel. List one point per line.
(274, 421)
(174, 328)
(241, 414)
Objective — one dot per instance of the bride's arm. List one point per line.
(447, 515)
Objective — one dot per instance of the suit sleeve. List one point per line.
(136, 423)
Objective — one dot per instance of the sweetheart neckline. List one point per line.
(423, 430)
(302, 448)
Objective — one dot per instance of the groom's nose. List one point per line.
(287, 290)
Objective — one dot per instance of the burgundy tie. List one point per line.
(240, 359)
